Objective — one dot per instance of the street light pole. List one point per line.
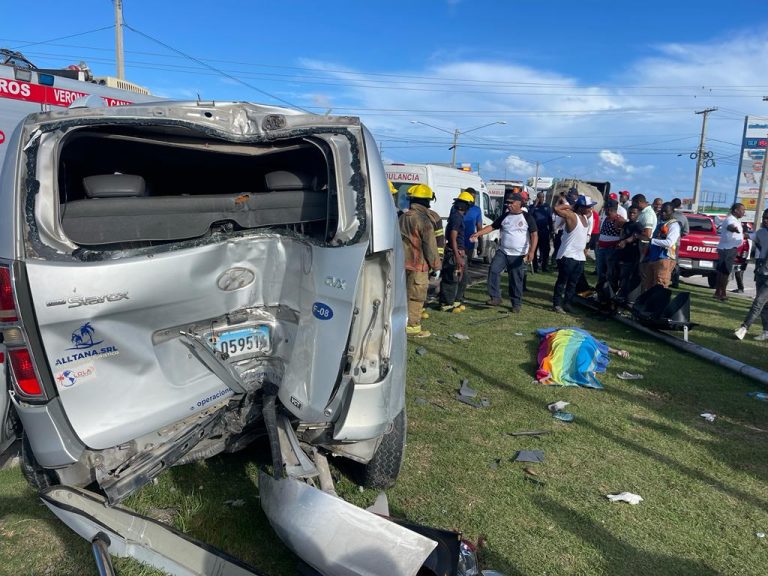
(536, 179)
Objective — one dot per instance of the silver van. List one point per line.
(177, 279)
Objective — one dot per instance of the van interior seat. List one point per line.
(117, 209)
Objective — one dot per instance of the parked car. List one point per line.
(177, 279)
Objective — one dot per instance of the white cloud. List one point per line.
(517, 165)
(616, 160)
(626, 128)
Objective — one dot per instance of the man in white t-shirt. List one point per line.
(647, 221)
(731, 237)
(517, 247)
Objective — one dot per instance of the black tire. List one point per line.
(711, 280)
(37, 477)
(382, 471)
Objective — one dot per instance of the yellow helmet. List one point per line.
(421, 191)
(466, 196)
(392, 188)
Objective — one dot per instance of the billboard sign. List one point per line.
(754, 145)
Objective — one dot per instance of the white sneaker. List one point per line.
(763, 336)
(741, 331)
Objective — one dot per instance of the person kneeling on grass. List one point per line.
(761, 284)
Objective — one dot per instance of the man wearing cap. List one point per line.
(473, 221)
(572, 253)
(418, 234)
(453, 277)
(624, 200)
(517, 248)
(620, 210)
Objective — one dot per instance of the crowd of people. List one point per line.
(635, 243)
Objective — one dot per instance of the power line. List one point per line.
(225, 74)
(64, 37)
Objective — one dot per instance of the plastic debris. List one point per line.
(557, 406)
(563, 416)
(465, 390)
(708, 416)
(518, 333)
(628, 376)
(760, 534)
(459, 336)
(628, 497)
(759, 395)
(530, 471)
(421, 350)
(530, 456)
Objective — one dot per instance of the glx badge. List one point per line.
(334, 282)
(77, 301)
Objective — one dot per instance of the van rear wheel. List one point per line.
(36, 476)
(383, 469)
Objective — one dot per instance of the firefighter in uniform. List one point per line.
(417, 229)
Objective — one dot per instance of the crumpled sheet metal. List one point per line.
(337, 538)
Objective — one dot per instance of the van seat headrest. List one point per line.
(114, 186)
(284, 180)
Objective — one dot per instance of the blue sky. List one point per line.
(596, 90)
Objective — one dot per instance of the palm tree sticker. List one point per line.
(82, 338)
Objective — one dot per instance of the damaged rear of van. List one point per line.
(178, 279)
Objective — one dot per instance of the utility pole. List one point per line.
(700, 159)
(536, 179)
(119, 39)
(455, 142)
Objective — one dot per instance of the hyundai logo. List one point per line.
(234, 279)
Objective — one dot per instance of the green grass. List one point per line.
(705, 484)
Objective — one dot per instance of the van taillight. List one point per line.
(24, 372)
(7, 304)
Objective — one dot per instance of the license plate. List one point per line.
(242, 342)
(706, 264)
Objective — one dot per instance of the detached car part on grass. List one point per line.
(179, 278)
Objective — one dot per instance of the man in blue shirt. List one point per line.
(453, 277)
(473, 221)
(542, 214)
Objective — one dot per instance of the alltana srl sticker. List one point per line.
(86, 346)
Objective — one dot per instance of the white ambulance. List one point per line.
(446, 183)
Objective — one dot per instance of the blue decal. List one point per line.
(322, 311)
(82, 338)
(67, 376)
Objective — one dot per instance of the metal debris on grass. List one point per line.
(529, 456)
(628, 376)
(627, 497)
(459, 336)
(421, 350)
(708, 416)
(557, 406)
(465, 390)
(475, 403)
(759, 395)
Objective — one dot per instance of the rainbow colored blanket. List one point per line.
(570, 357)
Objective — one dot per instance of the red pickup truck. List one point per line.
(697, 254)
